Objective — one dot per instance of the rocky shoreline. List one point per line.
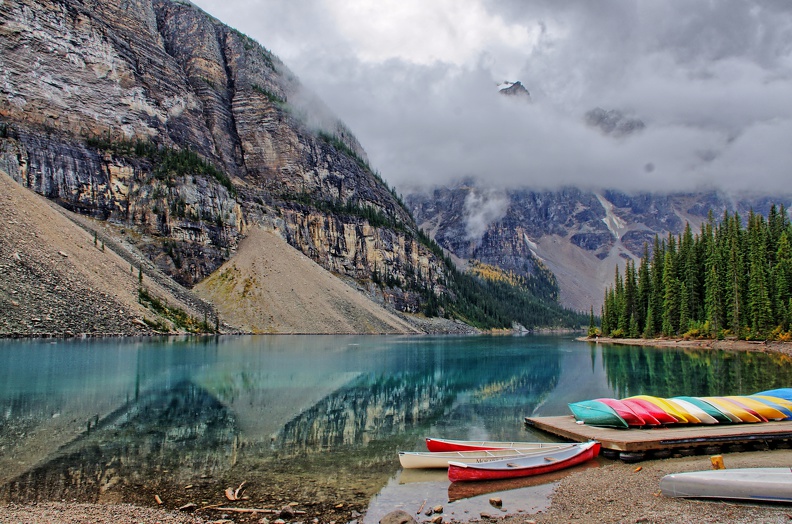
(615, 492)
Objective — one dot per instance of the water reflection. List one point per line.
(182, 431)
(93, 420)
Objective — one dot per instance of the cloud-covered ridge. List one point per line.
(417, 83)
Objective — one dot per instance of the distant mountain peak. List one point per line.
(613, 122)
(515, 89)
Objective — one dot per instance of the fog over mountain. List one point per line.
(711, 82)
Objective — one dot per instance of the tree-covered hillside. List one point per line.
(730, 279)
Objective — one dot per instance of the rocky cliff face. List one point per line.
(581, 236)
(153, 115)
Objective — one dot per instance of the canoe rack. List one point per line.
(634, 445)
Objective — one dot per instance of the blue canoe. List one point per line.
(785, 393)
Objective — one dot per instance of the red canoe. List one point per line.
(630, 416)
(661, 416)
(644, 413)
(439, 444)
(525, 466)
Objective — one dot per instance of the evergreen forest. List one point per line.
(733, 279)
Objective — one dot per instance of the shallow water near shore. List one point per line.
(315, 420)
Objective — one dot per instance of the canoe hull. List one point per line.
(765, 484)
(709, 409)
(630, 416)
(505, 469)
(440, 459)
(784, 393)
(595, 413)
(659, 414)
(694, 409)
(439, 444)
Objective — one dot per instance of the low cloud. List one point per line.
(482, 208)
(711, 82)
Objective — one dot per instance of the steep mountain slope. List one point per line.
(155, 116)
(55, 279)
(581, 236)
(269, 287)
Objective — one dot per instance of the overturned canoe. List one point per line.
(665, 406)
(596, 413)
(723, 408)
(784, 393)
(760, 408)
(693, 409)
(536, 464)
(440, 459)
(630, 416)
(709, 409)
(766, 484)
(689, 416)
(659, 414)
(780, 404)
(439, 444)
(744, 413)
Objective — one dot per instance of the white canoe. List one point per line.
(439, 459)
(765, 484)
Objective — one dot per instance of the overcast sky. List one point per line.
(417, 82)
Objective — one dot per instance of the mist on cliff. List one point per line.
(416, 82)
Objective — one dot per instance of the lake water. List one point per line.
(316, 420)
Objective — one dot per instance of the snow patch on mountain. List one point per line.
(615, 224)
(533, 247)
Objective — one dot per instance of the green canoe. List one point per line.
(596, 413)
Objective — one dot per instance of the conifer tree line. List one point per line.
(728, 280)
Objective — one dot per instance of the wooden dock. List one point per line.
(639, 444)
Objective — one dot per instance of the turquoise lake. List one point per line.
(313, 419)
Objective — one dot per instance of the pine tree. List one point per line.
(658, 291)
(684, 308)
(759, 305)
(592, 329)
(648, 331)
(670, 310)
(644, 291)
(728, 277)
(783, 281)
(734, 273)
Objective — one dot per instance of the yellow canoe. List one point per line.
(723, 409)
(735, 409)
(665, 406)
(768, 412)
(784, 403)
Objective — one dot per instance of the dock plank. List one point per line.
(663, 438)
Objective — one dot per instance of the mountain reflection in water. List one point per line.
(323, 417)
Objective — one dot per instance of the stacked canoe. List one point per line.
(645, 411)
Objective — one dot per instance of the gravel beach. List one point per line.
(614, 493)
